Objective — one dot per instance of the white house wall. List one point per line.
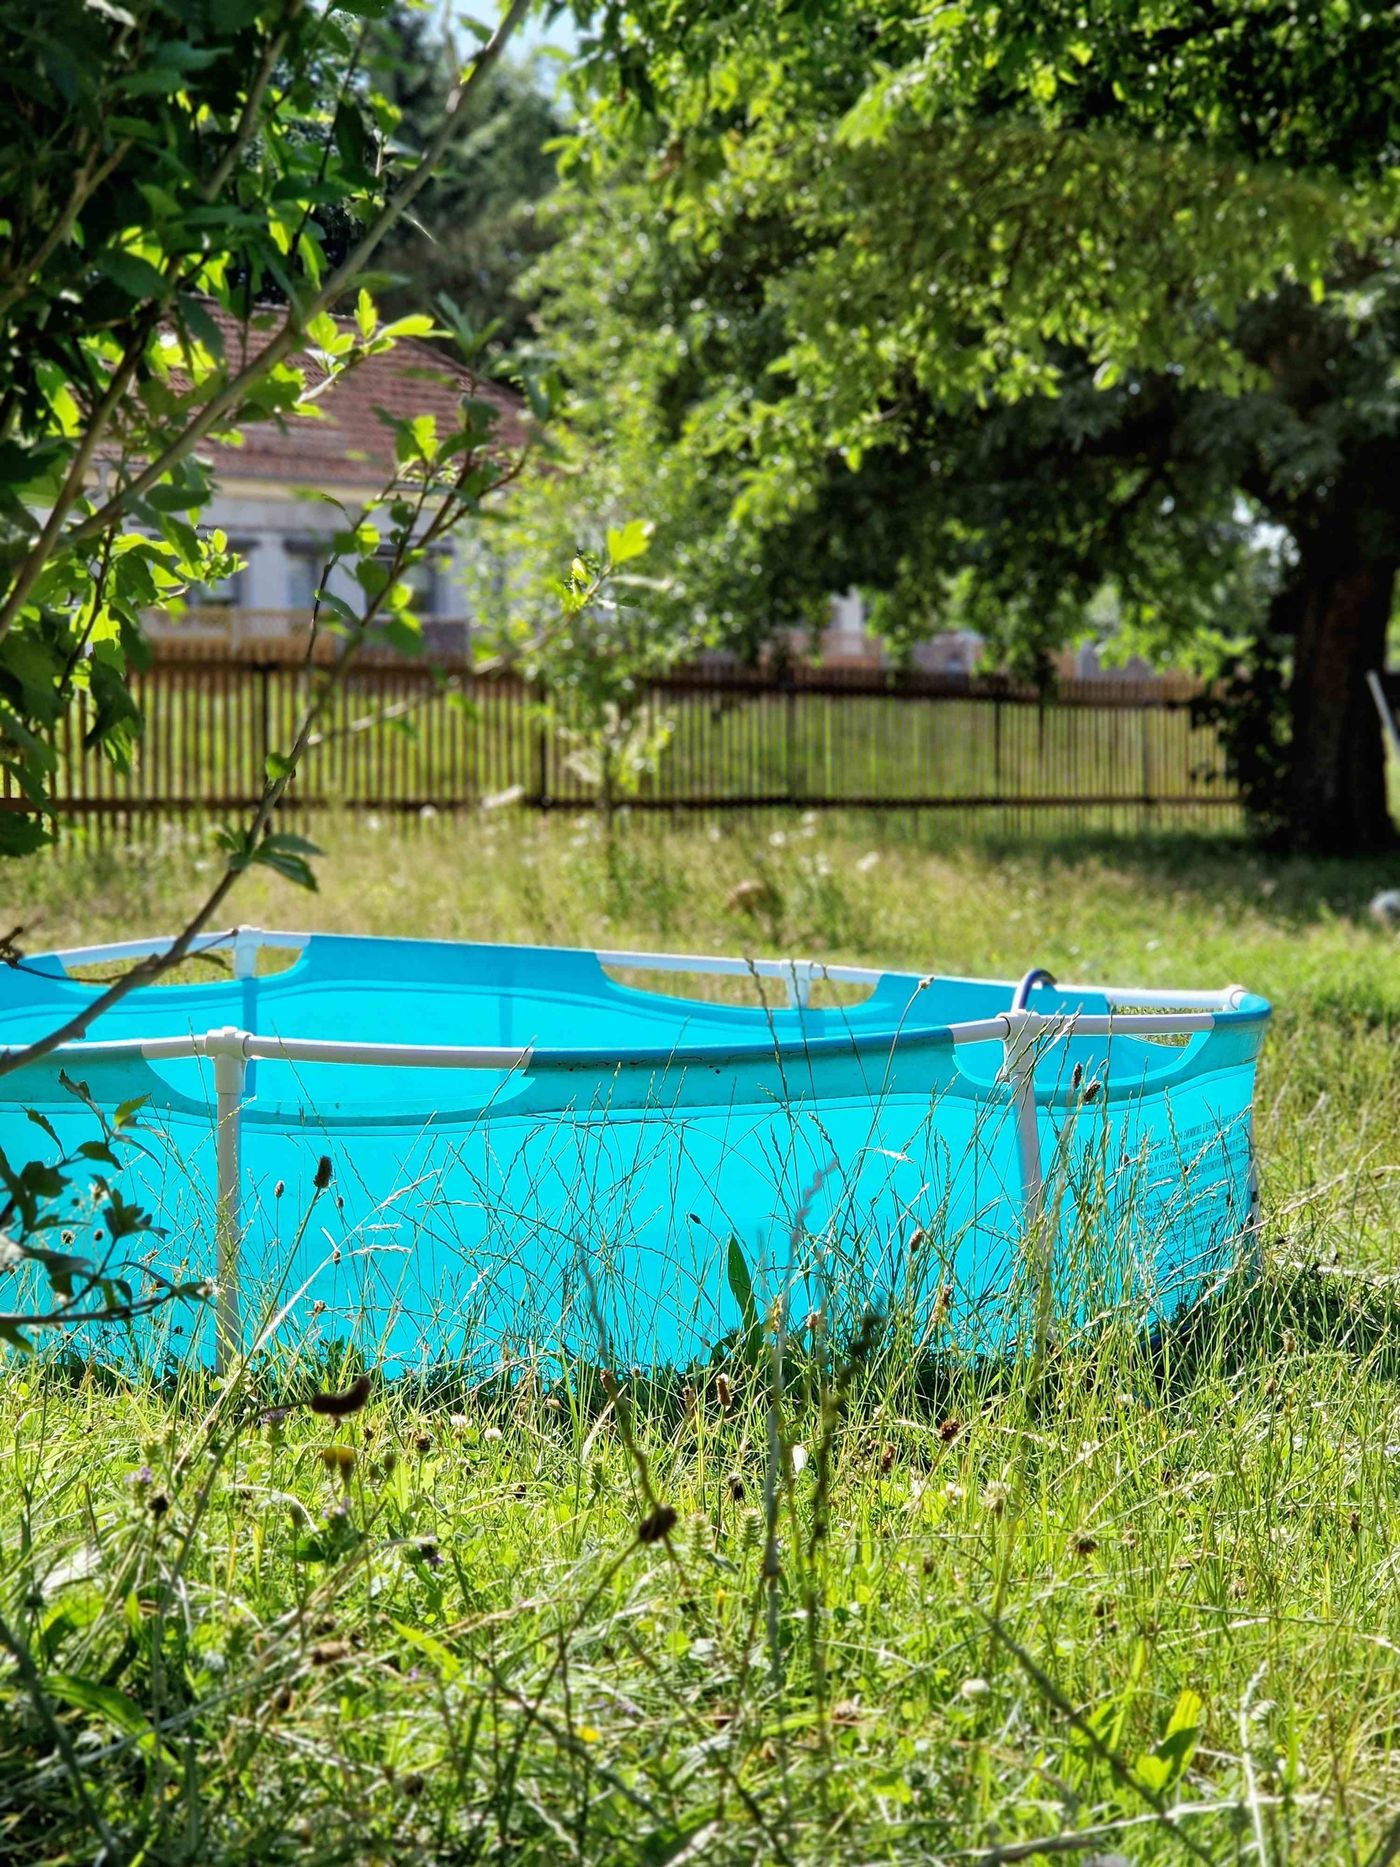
(265, 527)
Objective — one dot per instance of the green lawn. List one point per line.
(1145, 1607)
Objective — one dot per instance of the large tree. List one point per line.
(998, 306)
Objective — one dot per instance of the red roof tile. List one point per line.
(349, 444)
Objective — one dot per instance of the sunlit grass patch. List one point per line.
(1138, 1599)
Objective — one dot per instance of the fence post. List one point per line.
(1145, 715)
(794, 790)
(230, 1067)
(265, 714)
(542, 765)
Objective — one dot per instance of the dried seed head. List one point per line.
(734, 1484)
(279, 1189)
(724, 1392)
(339, 1406)
(323, 1173)
(158, 1505)
(339, 1459)
(1092, 1089)
(329, 1651)
(1083, 1543)
(413, 1784)
(657, 1525)
(422, 1442)
(886, 1457)
(949, 1429)
(917, 1239)
(1076, 1076)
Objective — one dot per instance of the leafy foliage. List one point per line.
(155, 165)
(158, 166)
(990, 311)
(50, 1197)
(483, 219)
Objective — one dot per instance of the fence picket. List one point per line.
(817, 737)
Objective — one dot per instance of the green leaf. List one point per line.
(286, 855)
(42, 1121)
(741, 1284)
(177, 498)
(104, 1702)
(352, 140)
(629, 541)
(417, 324)
(1161, 1768)
(135, 276)
(448, 1666)
(21, 835)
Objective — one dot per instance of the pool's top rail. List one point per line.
(892, 1013)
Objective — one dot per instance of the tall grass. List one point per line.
(838, 1602)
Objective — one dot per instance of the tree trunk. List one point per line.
(1336, 784)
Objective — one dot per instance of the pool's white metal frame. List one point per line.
(1019, 1030)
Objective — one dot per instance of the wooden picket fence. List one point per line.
(409, 738)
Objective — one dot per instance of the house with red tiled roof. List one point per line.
(266, 502)
(267, 508)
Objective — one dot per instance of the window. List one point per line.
(306, 563)
(229, 593)
(421, 579)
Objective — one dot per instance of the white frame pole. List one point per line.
(226, 1047)
(1018, 1048)
(246, 943)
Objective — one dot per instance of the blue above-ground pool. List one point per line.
(528, 1156)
